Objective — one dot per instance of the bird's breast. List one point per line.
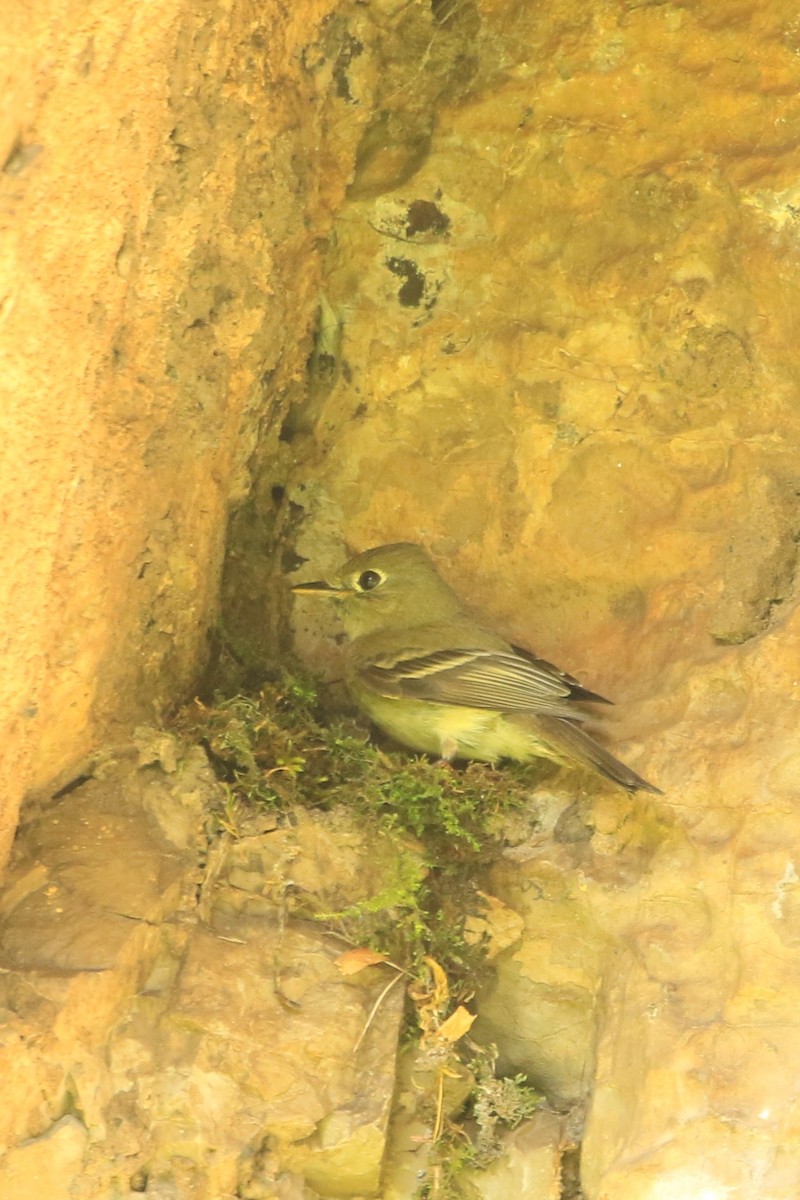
(476, 733)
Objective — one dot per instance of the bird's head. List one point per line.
(390, 587)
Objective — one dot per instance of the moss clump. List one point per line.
(471, 1138)
(497, 1104)
(275, 750)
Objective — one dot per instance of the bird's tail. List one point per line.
(577, 744)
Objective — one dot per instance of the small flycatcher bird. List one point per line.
(432, 677)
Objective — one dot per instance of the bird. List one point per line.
(427, 672)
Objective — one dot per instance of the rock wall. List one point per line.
(168, 174)
(566, 362)
(174, 1020)
(564, 357)
(554, 339)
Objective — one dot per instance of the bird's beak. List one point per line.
(319, 587)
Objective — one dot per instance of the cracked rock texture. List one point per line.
(167, 174)
(551, 333)
(171, 1023)
(566, 362)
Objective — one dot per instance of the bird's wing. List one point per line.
(497, 679)
(577, 690)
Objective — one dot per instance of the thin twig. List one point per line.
(376, 1006)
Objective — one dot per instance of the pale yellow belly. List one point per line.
(447, 731)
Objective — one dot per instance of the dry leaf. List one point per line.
(456, 1025)
(353, 961)
(431, 1000)
(441, 989)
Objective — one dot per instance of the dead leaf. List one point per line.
(441, 988)
(353, 961)
(456, 1025)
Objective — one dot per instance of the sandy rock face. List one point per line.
(659, 956)
(556, 344)
(160, 991)
(162, 193)
(568, 366)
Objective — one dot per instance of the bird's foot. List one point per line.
(448, 748)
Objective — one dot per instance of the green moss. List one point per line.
(471, 1137)
(277, 749)
(498, 1104)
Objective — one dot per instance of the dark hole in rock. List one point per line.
(413, 289)
(426, 217)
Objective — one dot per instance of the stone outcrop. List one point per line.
(173, 1025)
(550, 333)
(567, 365)
(168, 176)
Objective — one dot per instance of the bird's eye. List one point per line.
(368, 580)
